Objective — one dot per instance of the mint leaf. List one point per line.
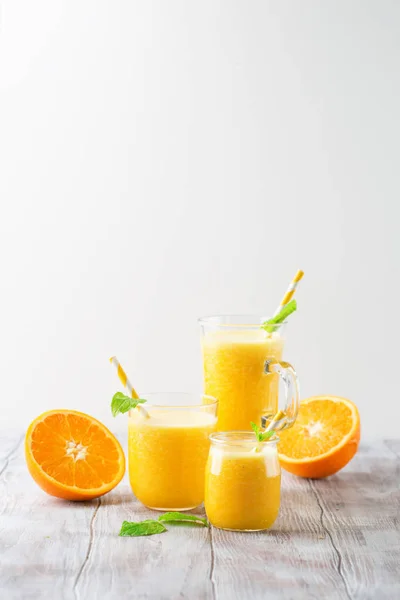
(280, 317)
(148, 527)
(256, 430)
(266, 435)
(261, 436)
(177, 517)
(121, 403)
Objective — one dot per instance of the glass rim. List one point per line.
(249, 320)
(243, 437)
(213, 400)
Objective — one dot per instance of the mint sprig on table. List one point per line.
(261, 436)
(280, 317)
(122, 404)
(148, 527)
(152, 526)
(177, 517)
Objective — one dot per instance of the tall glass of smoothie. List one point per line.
(168, 443)
(242, 365)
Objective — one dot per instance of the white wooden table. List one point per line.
(334, 539)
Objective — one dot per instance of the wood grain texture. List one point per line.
(337, 538)
(175, 564)
(43, 541)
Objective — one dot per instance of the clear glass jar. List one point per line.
(243, 482)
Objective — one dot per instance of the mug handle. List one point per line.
(292, 392)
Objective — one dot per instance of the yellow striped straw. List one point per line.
(126, 383)
(280, 418)
(277, 422)
(290, 291)
(123, 377)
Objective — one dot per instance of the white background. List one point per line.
(165, 160)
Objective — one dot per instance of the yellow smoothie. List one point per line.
(167, 456)
(242, 489)
(233, 363)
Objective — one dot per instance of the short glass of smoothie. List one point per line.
(243, 482)
(168, 444)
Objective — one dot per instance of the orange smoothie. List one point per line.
(167, 456)
(234, 374)
(243, 485)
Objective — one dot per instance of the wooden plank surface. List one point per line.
(337, 538)
(43, 542)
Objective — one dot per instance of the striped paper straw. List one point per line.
(126, 383)
(123, 377)
(290, 291)
(277, 422)
(279, 419)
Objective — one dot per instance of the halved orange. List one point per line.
(73, 456)
(324, 438)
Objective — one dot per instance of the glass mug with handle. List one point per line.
(242, 365)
